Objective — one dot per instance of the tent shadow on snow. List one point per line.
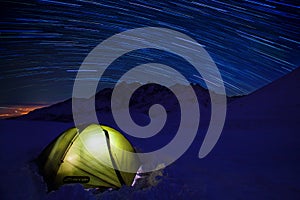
(77, 157)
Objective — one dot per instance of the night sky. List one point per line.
(44, 42)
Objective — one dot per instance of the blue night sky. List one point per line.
(44, 42)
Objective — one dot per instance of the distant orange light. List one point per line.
(17, 110)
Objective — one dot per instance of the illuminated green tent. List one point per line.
(76, 157)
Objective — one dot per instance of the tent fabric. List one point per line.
(78, 157)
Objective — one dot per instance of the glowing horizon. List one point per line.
(17, 110)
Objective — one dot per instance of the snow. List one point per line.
(257, 156)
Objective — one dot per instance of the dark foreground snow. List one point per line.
(257, 156)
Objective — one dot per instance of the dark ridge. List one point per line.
(142, 98)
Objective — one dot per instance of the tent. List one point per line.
(77, 157)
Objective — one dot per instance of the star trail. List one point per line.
(44, 42)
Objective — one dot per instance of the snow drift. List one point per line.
(257, 156)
